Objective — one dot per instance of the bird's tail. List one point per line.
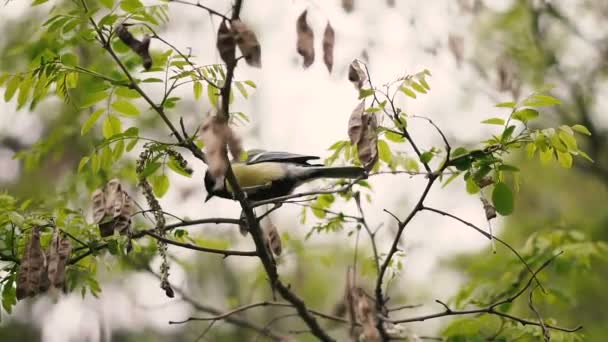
(337, 172)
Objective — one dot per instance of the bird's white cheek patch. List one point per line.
(219, 183)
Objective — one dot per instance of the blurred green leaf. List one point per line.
(502, 198)
(125, 108)
(90, 122)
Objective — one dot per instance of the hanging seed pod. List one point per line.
(305, 41)
(329, 39)
(226, 45)
(248, 43)
(58, 254)
(32, 267)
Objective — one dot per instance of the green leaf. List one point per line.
(546, 155)
(525, 115)
(9, 294)
(459, 151)
(131, 144)
(71, 80)
(95, 163)
(426, 157)
(541, 101)
(394, 137)
(417, 87)
(150, 168)
(107, 3)
(82, 163)
(384, 152)
(126, 92)
(38, 2)
(174, 165)
(471, 186)
(530, 150)
(24, 91)
(106, 158)
(3, 78)
(131, 132)
(365, 92)
(581, 129)
(212, 94)
(119, 149)
(160, 185)
(152, 80)
(111, 126)
(69, 59)
(564, 159)
(130, 5)
(251, 84)
(407, 91)
(198, 90)
(508, 168)
(509, 104)
(450, 179)
(506, 135)
(568, 140)
(86, 127)
(494, 121)
(502, 198)
(241, 88)
(125, 108)
(108, 20)
(11, 87)
(92, 98)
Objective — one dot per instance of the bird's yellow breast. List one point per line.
(258, 174)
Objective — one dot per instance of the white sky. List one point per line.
(305, 111)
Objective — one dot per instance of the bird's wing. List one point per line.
(261, 156)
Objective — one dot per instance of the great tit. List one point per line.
(265, 175)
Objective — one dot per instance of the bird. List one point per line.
(266, 175)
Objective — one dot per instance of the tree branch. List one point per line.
(225, 253)
(491, 309)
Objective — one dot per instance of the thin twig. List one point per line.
(491, 309)
(186, 245)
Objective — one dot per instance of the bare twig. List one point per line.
(199, 5)
(491, 309)
(224, 252)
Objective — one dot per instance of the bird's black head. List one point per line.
(210, 186)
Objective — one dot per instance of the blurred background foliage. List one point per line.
(522, 47)
(529, 44)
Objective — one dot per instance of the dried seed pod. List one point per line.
(123, 220)
(489, 209)
(217, 135)
(456, 45)
(485, 181)
(113, 194)
(366, 315)
(305, 41)
(247, 42)
(348, 5)
(32, 267)
(273, 240)
(58, 254)
(356, 74)
(99, 205)
(329, 39)
(226, 45)
(362, 132)
(117, 209)
(214, 136)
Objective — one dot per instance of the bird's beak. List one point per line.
(209, 195)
